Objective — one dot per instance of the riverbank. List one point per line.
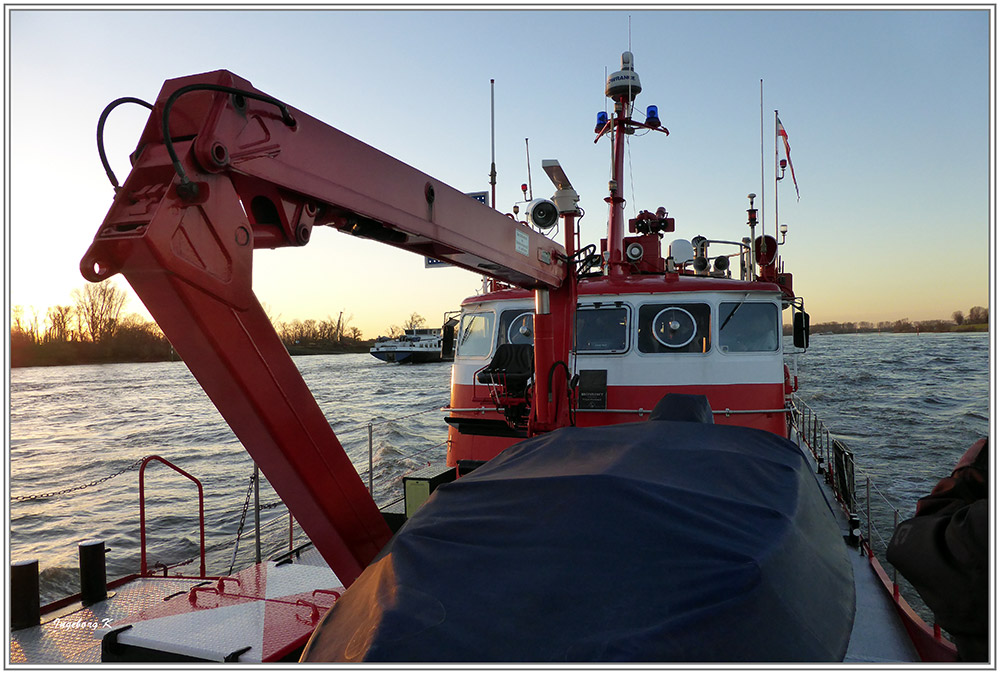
(87, 353)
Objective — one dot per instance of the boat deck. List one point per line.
(878, 635)
(73, 634)
(69, 636)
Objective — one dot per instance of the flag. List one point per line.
(788, 153)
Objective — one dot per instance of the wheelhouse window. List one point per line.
(748, 327)
(678, 327)
(602, 330)
(475, 335)
(516, 327)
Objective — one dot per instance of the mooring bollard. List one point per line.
(24, 602)
(93, 576)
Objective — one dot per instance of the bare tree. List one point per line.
(16, 319)
(978, 315)
(414, 321)
(23, 330)
(58, 318)
(98, 308)
(958, 317)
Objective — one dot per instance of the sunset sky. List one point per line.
(887, 112)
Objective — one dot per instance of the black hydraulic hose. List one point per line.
(100, 133)
(569, 397)
(286, 117)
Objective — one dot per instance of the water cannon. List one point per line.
(650, 223)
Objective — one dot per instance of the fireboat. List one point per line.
(628, 476)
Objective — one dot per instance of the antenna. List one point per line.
(493, 148)
(528, 157)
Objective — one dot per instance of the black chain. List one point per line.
(35, 497)
(243, 519)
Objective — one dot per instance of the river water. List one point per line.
(908, 405)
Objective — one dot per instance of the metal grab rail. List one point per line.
(928, 640)
(142, 511)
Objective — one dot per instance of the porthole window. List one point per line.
(521, 329)
(677, 327)
(674, 327)
(516, 326)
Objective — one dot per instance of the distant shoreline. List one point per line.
(40, 358)
(849, 329)
(46, 360)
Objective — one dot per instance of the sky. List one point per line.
(888, 114)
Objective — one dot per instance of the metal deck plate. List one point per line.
(71, 638)
(259, 615)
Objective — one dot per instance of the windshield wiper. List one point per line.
(735, 309)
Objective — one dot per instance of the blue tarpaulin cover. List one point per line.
(656, 541)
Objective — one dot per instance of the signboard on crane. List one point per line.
(481, 197)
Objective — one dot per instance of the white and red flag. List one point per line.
(788, 152)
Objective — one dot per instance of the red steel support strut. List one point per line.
(237, 170)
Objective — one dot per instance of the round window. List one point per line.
(520, 330)
(674, 327)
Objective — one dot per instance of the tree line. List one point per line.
(977, 320)
(96, 329)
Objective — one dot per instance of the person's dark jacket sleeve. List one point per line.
(944, 552)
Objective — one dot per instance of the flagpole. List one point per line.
(775, 175)
(763, 200)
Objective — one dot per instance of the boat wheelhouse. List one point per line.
(635, 340)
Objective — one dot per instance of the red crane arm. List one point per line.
(249, 173)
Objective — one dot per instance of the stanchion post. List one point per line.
(371, 469)
(256, 510)
(24, 602)
(93, 573)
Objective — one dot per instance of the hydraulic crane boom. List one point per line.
(238, 170)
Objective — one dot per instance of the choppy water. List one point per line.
(73, 425)
(907, 404)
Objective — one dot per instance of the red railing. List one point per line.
(142, 512)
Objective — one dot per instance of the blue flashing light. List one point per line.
(602, 121)
(652, 116)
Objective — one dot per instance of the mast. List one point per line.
(622, 88)
(776, 176)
